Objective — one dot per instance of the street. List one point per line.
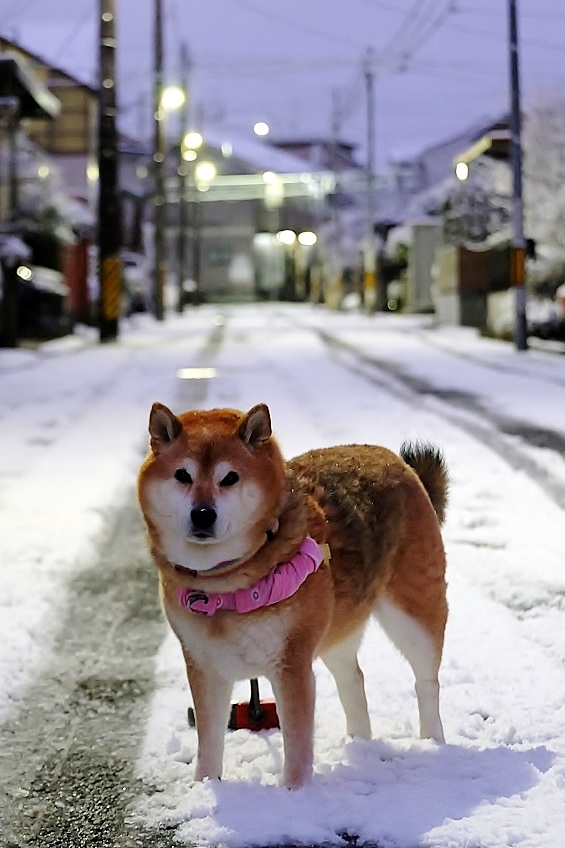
(95, 749)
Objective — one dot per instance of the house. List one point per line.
(245, 224)
(415, 192)
(70, 138)
(321, 153)
(412, 182)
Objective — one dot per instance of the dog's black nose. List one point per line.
(203, 517)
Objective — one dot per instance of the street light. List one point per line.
(261, 128)
(204, 173)
(167, 99)
(462, 171)
(286, 236)
(192, 141)
(190, 144)
(172, 98)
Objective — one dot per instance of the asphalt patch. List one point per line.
(68, 751)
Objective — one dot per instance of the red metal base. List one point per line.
(245, 716)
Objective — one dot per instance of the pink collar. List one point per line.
(281, 582)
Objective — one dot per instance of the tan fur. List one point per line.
(387, 559)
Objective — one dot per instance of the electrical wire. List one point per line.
(404, 29)
(502, 38)
(258, 10)
(258, 67)
(432, 27)
(421, 21)
(76, 28)
(349, 98)
(502, 13)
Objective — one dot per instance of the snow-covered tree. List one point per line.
(478, 207)
(543, 142)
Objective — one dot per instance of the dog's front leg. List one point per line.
(211, 695)
(294, 690)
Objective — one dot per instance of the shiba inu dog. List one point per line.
(239, 538)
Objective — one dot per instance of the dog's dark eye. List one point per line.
(182, 475)
(230, 479)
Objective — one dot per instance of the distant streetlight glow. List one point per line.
(193, 140)
(196, 373)
(261, 128)
(24, 273)
(307, 238)
(462, 171)
(286, 236)
(173, 97)
(205, 172)
(189, 155)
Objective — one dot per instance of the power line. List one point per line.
(500, 13)
(348, 99)
(246, 67)
(405, 27)
(419, 24)
(495, 36)
(74, 31)
(258, 10)
(432, 27)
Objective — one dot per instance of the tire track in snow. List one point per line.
(69, 747)
(462, 409)
(66, 774)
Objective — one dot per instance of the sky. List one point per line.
(440, 65)
(64, 463)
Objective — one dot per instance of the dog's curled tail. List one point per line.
(430, 466)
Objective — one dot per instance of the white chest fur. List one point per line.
(250, 644)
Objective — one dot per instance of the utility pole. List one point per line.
(370, 263)
(182, 177)
(13, 178)
(517, 250)
(159, 153)
(109, 219)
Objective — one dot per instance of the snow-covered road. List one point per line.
(72, 431)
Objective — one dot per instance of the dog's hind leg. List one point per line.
(415, 642)
(341, 660)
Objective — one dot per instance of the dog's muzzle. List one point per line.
(203, 519)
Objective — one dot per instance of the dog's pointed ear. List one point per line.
(164, 427)
(254, 429)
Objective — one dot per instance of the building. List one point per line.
(244, 224)
(69, 139)
(413, 184)
(321, 153)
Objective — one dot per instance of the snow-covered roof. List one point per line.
(259, 154)
(414, 153)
